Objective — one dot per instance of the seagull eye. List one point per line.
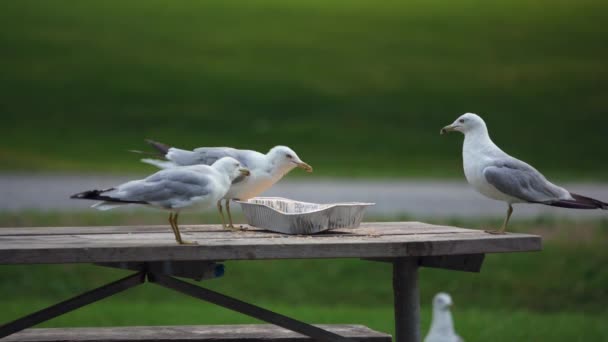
(461, 120)
(289, 156)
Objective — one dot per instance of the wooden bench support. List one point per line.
(245, 308)
(193, 269)
(216, 333)
(173, 284)
(463, 262)
(72, 304)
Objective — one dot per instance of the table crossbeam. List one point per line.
(72, 304)
(245, 308)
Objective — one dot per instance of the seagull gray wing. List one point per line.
(200, 156)
(171, 188)
(209, 155)
(520, 180)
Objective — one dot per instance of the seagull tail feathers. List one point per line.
(146, 153)
(160, 147)
(160, 150)
(103, 206)
(91, 194)
(580, 202)
(161, 164)
(108, 201)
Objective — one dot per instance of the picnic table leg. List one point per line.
(407, 300)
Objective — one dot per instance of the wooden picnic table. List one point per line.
(154, 255)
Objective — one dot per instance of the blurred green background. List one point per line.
(358, 89)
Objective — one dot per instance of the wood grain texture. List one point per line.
(156, 243)
(223, 333)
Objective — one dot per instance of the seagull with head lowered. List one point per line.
(266, 169)
(173, 189)
(499, 176)
(442, 325)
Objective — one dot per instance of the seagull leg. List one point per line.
(231, 226)
(219, 208)
(504, 225)
(178, 236)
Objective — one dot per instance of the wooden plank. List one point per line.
(399, 240)
(220, 333)
(107, 230)
(366, 228)
(96, 240)
(75, 250)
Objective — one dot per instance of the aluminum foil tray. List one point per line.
(293, 217)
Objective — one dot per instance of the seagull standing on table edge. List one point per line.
(266, 169)
(172, 189)
(496, 175)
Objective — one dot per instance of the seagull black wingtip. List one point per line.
(160, 147)
(89, 194)
(580, 202)
(97, 196)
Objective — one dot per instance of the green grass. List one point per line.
(347, 84)
(558, 294)
(473, 324)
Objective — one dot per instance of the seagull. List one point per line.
(442, 326)
(499, 176)
(266, 169)
(172, 189)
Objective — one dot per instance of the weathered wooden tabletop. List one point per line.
(156, 243)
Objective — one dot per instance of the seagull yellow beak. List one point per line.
(245, 172)
(447, 129)
(303, 165)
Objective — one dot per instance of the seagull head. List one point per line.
(442, 301)
(231, 167)
(284, 157)
(466, 123)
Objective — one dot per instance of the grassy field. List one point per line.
(558, 294)
(347, 84)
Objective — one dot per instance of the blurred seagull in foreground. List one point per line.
(266, 169)
(499, 176)
(173, 189)
(442, 326)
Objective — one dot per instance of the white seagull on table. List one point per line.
(266, 169)
(442, 326)
(499, 176)
(173, 189)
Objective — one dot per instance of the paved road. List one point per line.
(419, 199)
